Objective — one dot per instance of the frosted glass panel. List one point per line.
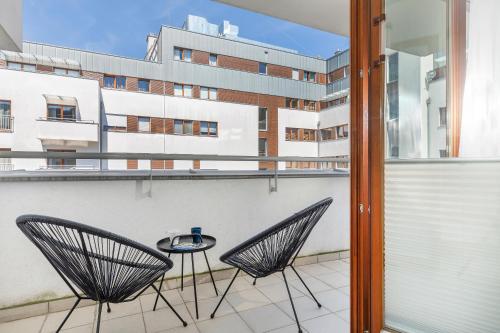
(442, 246)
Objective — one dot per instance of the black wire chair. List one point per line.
(96, 264)
(275, 249)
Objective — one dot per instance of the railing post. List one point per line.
(274, 187)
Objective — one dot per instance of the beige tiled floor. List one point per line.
(247, 308)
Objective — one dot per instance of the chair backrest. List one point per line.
(102, 265)
(276, 247)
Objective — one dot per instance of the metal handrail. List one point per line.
(6, 123)
(161, 156)
(66, 120)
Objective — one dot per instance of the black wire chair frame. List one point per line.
(96, 264)
(275, 249)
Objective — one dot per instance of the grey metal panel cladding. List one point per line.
(172, 37)
(178, 71)
(97, 62)
(337, 61)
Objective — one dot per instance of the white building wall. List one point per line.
(26, 92)
(335, 116)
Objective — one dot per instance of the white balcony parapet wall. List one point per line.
(230, 209)
(69, 133)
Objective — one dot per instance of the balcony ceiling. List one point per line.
(330, 16)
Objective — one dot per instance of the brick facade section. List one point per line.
(3, 63)
(279, 71)
(301, 75)
(169, 164)
(156, 87)
(157, 125)
(157, 164)
(200, 57)
(169, 126)
(321, 78)
(234, 96)
(337, 74)
(196, 164)
(132, 164)
(169, 88)
(238, 63)
(94, 76)
(196, 127)
(196, 92)
(44, 68)
(132, 124)
(132, 84)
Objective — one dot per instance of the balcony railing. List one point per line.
(67, 129)
(6, 124)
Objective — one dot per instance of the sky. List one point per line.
(120, 26)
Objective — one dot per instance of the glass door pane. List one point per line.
(442, 215)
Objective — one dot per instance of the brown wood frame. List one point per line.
(367, 147)
(183, 95)
(208, 90)
(61, 112)
(208, 124)
(114, 81)
(149, 85)
(138, 122)
(62, 159)
(183, 56)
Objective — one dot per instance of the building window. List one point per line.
(21, 66)
(262, 68)
(208, 128)
(309, 76)
(262, 119)
(292, 103)
(309, 135)
(393, 99)
(61, 112)
(208, 93)
(295, 74)
(262, 147)
(61, 163)
(338, 101)
(5, 118)
(212, 59)
(143, 85)
(185, 90)
(291, 134)
(309, 105)
(443, 119)
(144, 124)
(116, 82)
(335, 133)
(182, 54)
(183, 127)
(66, 71)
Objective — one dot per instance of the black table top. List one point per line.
(165, 244)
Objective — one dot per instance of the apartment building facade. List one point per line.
(201, 89)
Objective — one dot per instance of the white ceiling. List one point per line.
(327, 15)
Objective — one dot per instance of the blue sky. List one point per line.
(120, 27)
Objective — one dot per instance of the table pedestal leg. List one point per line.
(194, 286)
(182, 273)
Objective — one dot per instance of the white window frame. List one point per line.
(144, 124)
(210, 62)
(266, 121)
(295, 74)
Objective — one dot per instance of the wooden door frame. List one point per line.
(367, 157)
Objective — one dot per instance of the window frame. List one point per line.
(265, 67)
(182, 85)
(61, 116)
(139, 124)
(63, 160)
(66, 71)
(310, 76)
(210, 60)
(289, 101)
(182, 54)
(183, 126)
(115, 81)
(266, 119)
(139, 85)
(294, 70)
(266, 153)
(209, 132)
(210, 93)
(22, 66)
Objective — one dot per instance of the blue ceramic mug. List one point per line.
(196, 232)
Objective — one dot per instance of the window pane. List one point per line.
(204, 92)
(213, 129)
(178, 90)
(143, 85)
(187, 55)
(188, 90)
(262, 119)
(14, 65)
(188, 127)
(213, 60)
(121, 82)
(53, 111)
(262, 68)
(178, 126)
(213, 93)
(60, 71)
(29, 67)
(109, 81)
(73, 73)
(177, 54)
(295, 74)
(4, 108)
(262, 147)
(69, 113)
(144, 124)
(204, 128)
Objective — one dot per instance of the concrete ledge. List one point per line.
(65, 303)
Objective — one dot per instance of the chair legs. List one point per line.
(99, 317)
(158, 295)
(305, 285)
(224, 295)
(169, 305)
(69, 314)
(291, 301)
